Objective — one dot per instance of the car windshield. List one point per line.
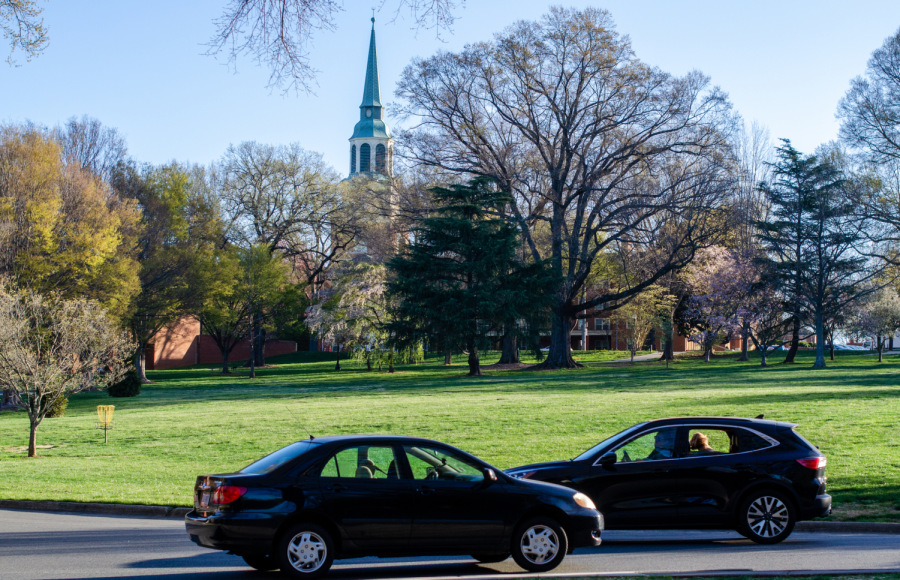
(275, 460)
(608, 442)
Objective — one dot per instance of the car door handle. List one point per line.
(336, 488)
(424, 490)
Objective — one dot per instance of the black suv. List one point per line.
(341, 497)
(756, 476)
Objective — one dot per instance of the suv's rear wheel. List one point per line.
(261, 562)
(766, 517)
(539, 544)
(305, 551)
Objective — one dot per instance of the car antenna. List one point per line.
(760, 416)
(311, 436)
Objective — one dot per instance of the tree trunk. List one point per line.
(337, 363)
(474, 363)
(140, 366)
(391, 362)
(10, 400)
(745, 347)
(510, 354)
(225, 353)
(820, 342)
(448, 358)
(560, 354)
(707, 354)
(795, 341)
(252, 354)
(763, 353)
(32, 440)
(880, 349)
(260, 344)
(368, 360)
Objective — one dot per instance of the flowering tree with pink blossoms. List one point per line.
(720, 283)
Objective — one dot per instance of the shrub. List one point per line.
(130, 386)
(58, 409)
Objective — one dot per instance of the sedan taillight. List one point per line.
(813, 462)
(226, 494)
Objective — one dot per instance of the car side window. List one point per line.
(441, 464)
(723, 440)
(652, 446)
(363, 462)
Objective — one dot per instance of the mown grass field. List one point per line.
(194, 421)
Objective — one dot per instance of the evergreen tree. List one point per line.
(460, 280)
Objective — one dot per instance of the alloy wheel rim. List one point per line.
(307, 552)
(539, 544)
(767, 516)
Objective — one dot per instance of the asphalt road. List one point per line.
(40, 546)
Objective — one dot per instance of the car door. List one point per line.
(638, 490)
(365, 492)
(456, 509)
(719, 463)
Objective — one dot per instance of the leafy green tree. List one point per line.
(180, 224)
(460, 280)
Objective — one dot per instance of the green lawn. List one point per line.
(194, 421)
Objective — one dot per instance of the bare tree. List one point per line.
(51, 348)
(22, 26)
(592, 143)
(92, 146)
(278, 34)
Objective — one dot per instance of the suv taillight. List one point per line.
(813, 462)
(226, 494)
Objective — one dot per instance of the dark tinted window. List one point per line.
(747, 441)
(275, 460)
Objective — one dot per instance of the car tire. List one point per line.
(539, 544)
(305, 551)
(766, 517)
(490, 558)
(261, 562)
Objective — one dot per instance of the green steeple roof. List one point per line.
(372, 90)
(371, 116)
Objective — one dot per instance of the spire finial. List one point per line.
(373, 18)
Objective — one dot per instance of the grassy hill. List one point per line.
(194, 421)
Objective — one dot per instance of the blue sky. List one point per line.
(138, 66)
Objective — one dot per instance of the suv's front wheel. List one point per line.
(305, 551)
(539, 544)
(766, 517)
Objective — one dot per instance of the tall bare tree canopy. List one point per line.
(594, 145)
(23, 27)
(278, 34)
(92, 146)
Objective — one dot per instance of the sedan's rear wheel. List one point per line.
(305, 551)
(261, 562)
(490, 558)
(766, 517)
(539, 544)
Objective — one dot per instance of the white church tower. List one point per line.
(371, 146)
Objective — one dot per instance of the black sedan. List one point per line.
(322, 499)
(755, 476)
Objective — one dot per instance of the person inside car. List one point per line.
(700, 443)
(663, 445)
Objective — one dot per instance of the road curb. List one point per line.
(159, 511)
(111, 509)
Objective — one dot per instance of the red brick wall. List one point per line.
(210, 353)
(176, 345)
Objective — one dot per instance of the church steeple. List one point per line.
(372, 90)
(371, 145)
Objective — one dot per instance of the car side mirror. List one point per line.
(608, 458)
(490, 477)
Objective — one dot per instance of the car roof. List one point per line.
(722, 420)
(373, 437)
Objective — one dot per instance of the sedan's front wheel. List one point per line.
(766, 517)
(305, 551)
(539, 544)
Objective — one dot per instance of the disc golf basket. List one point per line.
(105, 422)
